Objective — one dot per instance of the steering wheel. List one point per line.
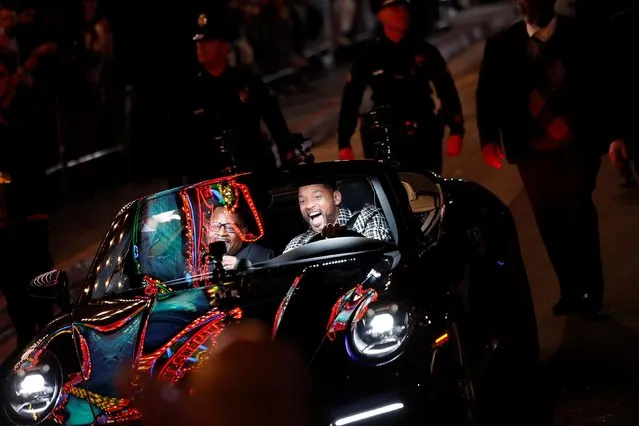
(345, 233)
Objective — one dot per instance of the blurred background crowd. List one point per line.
(83, 79)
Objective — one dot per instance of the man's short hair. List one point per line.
(243, 214)
(331, 185)
(240, 212)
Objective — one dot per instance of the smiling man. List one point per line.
(224, 226)
(321, 207)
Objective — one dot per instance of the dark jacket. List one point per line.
(167, 262)
(254, 253)
(400, 76)
(236, 102)
(507, 79)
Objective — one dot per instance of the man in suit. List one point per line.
(527, 112)
(228, 228)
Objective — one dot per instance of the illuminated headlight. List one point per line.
(380, 334)
(32, 391)
(32, 384)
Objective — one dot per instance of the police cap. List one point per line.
(378, 5)
(213, 23)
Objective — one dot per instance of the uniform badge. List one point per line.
(202, 20)
(420, 59)
(244, 94)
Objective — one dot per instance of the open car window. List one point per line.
(287, 218)
(166, 240)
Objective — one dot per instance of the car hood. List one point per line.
(168, 335)
(303, 303)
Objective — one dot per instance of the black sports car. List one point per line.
(416, 309)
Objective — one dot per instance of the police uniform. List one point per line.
(232, 104)
(400, 76)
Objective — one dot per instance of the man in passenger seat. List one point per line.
(223, 228)
(321, 207)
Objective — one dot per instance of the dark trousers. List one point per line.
(632, 162)
(24, 254)
(627, 170)
(559, 185)
(420, 151)
(426, 154)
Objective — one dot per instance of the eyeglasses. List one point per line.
(216, 227)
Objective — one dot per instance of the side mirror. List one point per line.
(53, 286)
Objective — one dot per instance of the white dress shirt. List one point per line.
(543, 34)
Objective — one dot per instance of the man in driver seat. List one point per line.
(321, 207)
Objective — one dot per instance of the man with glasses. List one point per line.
(224, 227)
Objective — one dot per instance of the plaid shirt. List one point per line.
(371, 223)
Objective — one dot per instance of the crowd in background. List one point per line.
(56, 63)
(272, 35)
(94, 75)
(85, 64)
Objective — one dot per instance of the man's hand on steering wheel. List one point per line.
(333, 230)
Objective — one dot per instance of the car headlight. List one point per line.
(33, 390)
(380, 333)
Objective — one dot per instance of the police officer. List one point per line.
(224, 104)
(399, 67)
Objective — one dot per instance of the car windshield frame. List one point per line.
(275, 187)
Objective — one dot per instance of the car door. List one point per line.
(109, 320)
(426, 202)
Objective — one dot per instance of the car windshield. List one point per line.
(170, 238)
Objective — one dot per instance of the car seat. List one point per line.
(356, 193)
(419, 203)
(282, 221)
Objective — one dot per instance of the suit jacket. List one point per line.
(254, 253)
(506, 80)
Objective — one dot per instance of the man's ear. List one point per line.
(337, 198)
